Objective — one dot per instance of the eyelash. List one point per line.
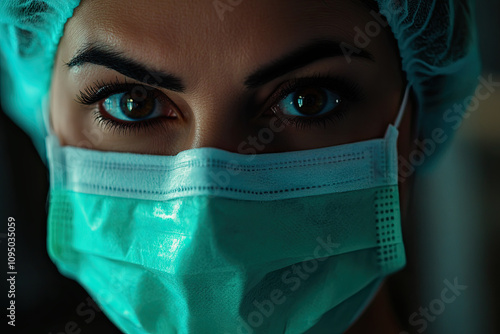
(348, 90)
(101, 90)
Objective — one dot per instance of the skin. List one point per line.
(213, 57)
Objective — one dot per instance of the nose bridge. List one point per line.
(218, 122)
(219, 105)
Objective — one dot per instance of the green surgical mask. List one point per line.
(209, 241)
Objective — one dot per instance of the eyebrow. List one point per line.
(301, 57)
(104, 56)
(305, 55)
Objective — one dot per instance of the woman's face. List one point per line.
(160, 77)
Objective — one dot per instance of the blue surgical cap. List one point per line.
(437, 41)
(30, 31)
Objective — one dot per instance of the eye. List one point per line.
(308, 102)
(126, 106)
(316, 101)
(129, 108)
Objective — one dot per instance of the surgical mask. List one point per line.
(210, 241)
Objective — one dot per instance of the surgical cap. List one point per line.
(436, 38)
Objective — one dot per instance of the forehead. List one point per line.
(201, 35)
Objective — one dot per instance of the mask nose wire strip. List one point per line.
(403, 107)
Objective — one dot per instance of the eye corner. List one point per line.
(334, 98)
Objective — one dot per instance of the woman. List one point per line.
(232, 166)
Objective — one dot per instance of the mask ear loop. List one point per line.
(45, 110)
(403, 107)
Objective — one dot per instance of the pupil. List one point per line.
(310, 101)
(137, 109)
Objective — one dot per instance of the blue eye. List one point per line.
(125, 107)
(308, 102)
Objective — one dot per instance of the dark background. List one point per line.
(463, 242)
